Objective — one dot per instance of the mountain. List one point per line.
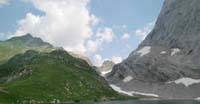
(21, 44)
(29, 40)
(33, 71)
(167, 63)
(16, 45)
(106, 67)
(55, 76)
(81, 57)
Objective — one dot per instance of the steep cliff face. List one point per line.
(167, 62)
(106, 67)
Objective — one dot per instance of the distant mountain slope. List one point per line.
(54, 76)
(17, 45)
(29, 40)
(81, 57)
(167, 62)
(106, 67)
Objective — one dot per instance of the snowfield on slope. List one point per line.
(131, 93)
(127, 79)
(198, 99)
(186, 81)
(145, 50)
(103, 73)
(175, 51)
(163, 52)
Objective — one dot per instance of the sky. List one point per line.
(99, 29)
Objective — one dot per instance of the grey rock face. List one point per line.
(106, 66)
(169, 52)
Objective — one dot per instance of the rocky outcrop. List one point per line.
(106, 67)
(170, 53)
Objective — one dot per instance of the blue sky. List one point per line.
(135, 14)
(111, 19)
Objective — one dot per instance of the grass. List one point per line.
(15, 46)
(55, 75)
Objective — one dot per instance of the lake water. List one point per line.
(149, 102)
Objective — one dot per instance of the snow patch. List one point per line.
(103, 73)
(127, 79)
(175, 51)
(186, 81)
(198, 98)
(163, 52)
(131, 93)
(118, 89)
(145, 50)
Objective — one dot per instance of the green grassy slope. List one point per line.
(44, 77)
(16, 45)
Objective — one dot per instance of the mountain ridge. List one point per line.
(42, 73)
(169, 53)
(54, 76)
(21, 44)
(29, 40)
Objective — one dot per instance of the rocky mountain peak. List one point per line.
(177, 26)
(106, 67)
(29, 40)
(169, 53)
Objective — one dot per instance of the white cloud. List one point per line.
(92, 46)
(95, 20)
(104, 35)
(125, 36)
(66, 23)
(98, 60)
(4, 2)
(116, 59)
(143, 32)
